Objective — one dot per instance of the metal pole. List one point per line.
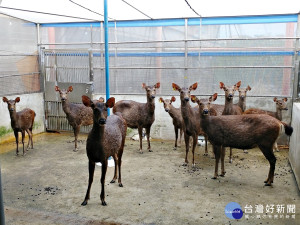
(106, 52)
(2, 218)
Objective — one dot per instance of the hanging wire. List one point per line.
(192, 8)
(89, 9)
(46, 13)
(137, 9)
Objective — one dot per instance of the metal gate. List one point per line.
(65, 68)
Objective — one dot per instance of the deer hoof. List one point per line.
(205, 154)
(150, 150)
(174, 148)
(75, 150)
(214, 178)
(113, 181)
(267, 184)
(104, 203)
(184, 164)
(120, 185)
(245, 151)
(230, 160)
(141, 152)
(84, 203)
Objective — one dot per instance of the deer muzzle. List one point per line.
(102, 121)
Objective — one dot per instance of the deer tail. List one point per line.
(287, 129)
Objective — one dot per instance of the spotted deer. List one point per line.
(175, 113)
(281, 104)
(242, 132)
(77, 114)
(140, 115)
(20, 122)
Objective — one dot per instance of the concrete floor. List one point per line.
(48, 185)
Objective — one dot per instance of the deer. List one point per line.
(140, 115)
(230, 108)
(281, 104)
(107, 138)
(191, 125)
(77, 114)
(242, 97)
(175, 113)
(20, 122)
(241, 131)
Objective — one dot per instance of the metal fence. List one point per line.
(260, 51)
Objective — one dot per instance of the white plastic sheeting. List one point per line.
(155, 9)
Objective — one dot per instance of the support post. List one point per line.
(106, 53)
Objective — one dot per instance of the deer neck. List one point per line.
(242, 103)
(13, 118)
(150, 105)
(278, 113)
(66, 106)
(98, 133)
(172, 111)
(186, 110)
(228, 106)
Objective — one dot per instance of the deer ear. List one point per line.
(222, 85)
(249, 88)
(144, 85)
(285, 99)
(238, 84)
(161, 99)
(5, 99)
(194, 98)
(70, 89)
(110, 102)
(17, 99)
(173, 99)
(175, 87)
(86, 101)
(157, 85)
(213, 97)
(274, 99)
(194, 86)
(57, 88)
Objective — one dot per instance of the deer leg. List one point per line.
(268, 153)
(195, 139)
(29, 138)
(115, 157)
(206, 152)
(119, 168)
(148, 138)
(217, 151)
(276, 147)
(23, 137)
(187, 146)
(181, 132)
(17, 141)
(102, 195)
(76, 132)
(91, 177)
(176, 137)
(230, 155)
(222, 161)
(140, 130)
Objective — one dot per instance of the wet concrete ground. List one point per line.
(48, 185)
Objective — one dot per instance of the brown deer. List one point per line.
(77, 114)
(175, 113)
(242, 97)
(191, 124)
(20, 122)
(280, 105)
(230, 108)
(139, 115)
(242, 132)
(107, 138)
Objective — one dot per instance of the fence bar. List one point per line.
(2, 218)
(106, 40)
